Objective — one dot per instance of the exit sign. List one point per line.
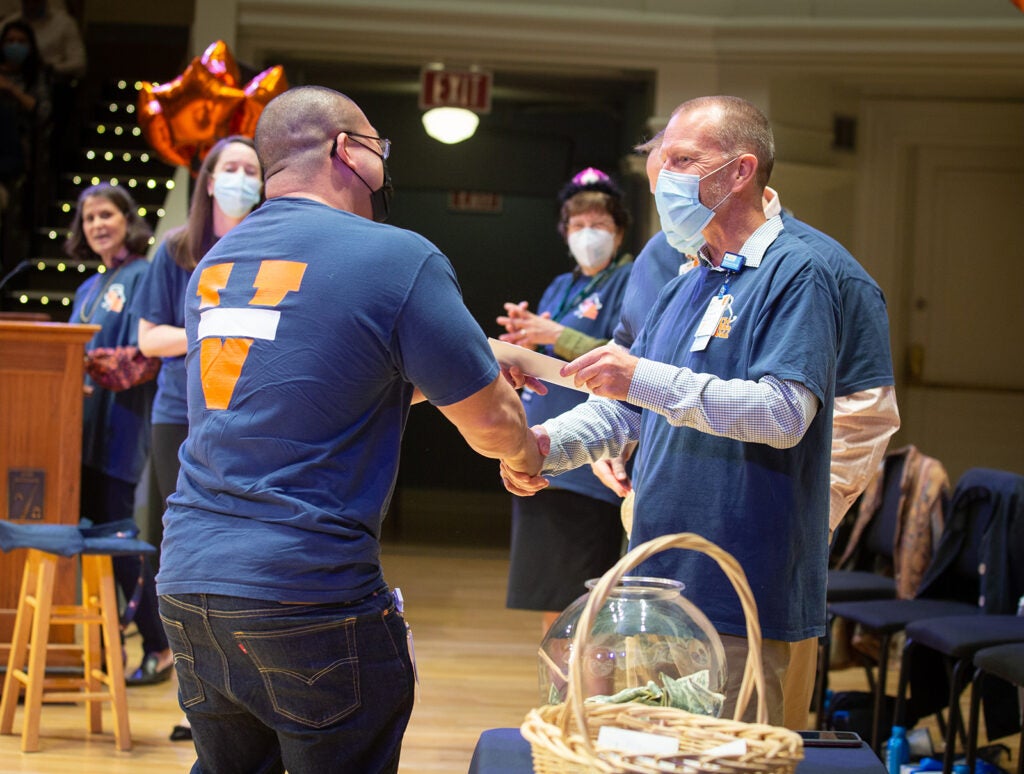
(470, 89)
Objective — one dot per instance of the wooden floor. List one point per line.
(477, 667)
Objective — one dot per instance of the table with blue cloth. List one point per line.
(504, 751)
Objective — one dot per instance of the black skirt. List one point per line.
(560, 540)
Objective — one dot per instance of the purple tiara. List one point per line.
(589, 179)
(589, 176)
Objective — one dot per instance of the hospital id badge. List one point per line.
(709, 322)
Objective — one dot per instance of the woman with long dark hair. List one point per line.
(227, 187)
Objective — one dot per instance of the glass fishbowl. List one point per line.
(648, 644)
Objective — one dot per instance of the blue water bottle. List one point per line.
(897, 750)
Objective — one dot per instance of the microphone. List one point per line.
(15, 272)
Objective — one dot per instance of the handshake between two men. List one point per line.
(606, 372)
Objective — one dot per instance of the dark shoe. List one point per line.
(148, 674)
(181, 734)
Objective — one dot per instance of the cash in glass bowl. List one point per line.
(649, 644)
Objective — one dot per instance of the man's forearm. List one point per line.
(769, 411)
(493, 423)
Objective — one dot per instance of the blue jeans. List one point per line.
(310, 688)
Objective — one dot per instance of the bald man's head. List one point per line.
(296, 128)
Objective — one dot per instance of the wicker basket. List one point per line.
(563, 737)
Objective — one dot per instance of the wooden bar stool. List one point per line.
(102, 676)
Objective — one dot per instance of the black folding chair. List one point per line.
(950, 587)
(1005, 662)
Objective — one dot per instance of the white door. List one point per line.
(941, 224)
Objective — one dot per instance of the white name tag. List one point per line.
(709, 322)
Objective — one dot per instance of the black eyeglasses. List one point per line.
(385, 143)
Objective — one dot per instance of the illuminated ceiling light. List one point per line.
(132, 183)
(122, 84)
(66, 301)
(42, 264)
(61, 266)
(102, 268)
(136, 131)
(142, 212)
(95, 181)
(151, 183)
(44, 300)
(170, 184)
(144, 157)
(160, 212)
(77, 179)
(450, 124)
(138, 85)
(52, 235)
(118, 130)
(108, 156)
(113, 107)
(126, 156)
(90, 154)
(113, 181)
(23, 299)
(101, 129)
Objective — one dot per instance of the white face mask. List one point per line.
(236, 193)
(591, 247)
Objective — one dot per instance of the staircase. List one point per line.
(111, 150)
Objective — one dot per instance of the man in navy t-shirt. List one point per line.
(729, 388)
(311, 329)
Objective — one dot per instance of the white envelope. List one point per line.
(532, 363)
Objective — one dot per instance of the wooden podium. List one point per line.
(41, 378)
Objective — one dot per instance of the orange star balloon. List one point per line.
(183, 118)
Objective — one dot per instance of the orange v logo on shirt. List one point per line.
(226, 334)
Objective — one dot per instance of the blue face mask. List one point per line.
(16, 52)
(683, 217)
(236, 193)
